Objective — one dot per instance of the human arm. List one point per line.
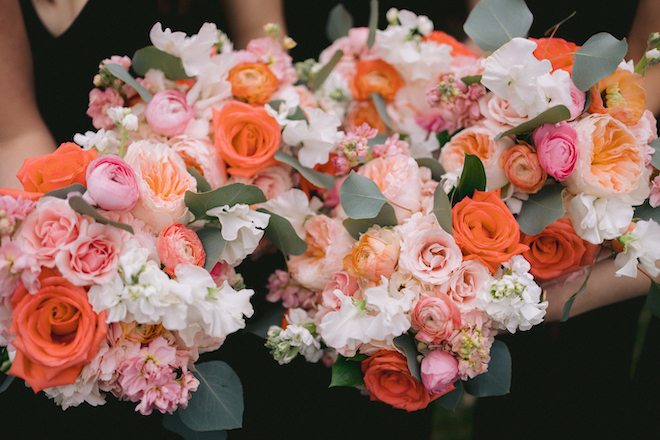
(246, 18)
(646, 21)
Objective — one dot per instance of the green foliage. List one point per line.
(322, 74)
(340, 21)
(61, 193)
(646, 212)
(173, 423)
(151, 58)
(473, 178)
(79, 205)
(360, 197)
(280, 232)
(443, 137)
(451, 399)
(385, 217)
(123, 75)
(541, 209)
(598, 58)
(346, 373)
(471, 79)
(373, 23)
(493, 23)
(5, 384)
(442, 209)
(653, 299)
(436, 169)
(568, 304)
(655, 159)
(406, 343)
(202, 184)
(230, 195)
(314, 177)
(381, 107)
(552, 115)
(497, 380)
(213, 244)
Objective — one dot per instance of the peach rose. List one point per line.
(500, 111)
(485, 229)
(522, 167)
(435, 317)
(620, 95)
(252, 82)
(176, 245)
(557, 50)
(57, 333)
(202, 155)
(388, 379)
(464, 283)
(274, 181)
(375, 76)
(142, 333)
(375, 255)
(66, 166)
(342, 281)
(246, 137)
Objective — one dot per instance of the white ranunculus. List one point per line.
(242, 228)
(643, 245)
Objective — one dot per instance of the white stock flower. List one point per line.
(596, 219)
(298, 337)
(102, 140)
(195, 52)
(318, 138)
(242, 228)
(393, 306)
(643, 245)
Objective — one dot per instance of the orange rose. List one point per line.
(557, 251)
(621, 94)
(374, 255)
(252, 82)
(365, 111)
(457, 48)
(486, 230)
(557, 50)
(246, 137)
(57, 332)
(375, 76)
(66, 166)
(388, 379)
(522, 167)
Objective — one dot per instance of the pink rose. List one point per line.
(111, 184)
(99, 102)
(439, 371)
(274, 180)
(342, 281)
(202, 155)
(557, 150)
(168, 113)
(176, 245)
(578, 99)
(435, 317)
(465, 282)
(499, 111)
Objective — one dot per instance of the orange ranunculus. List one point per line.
(142, 333)
(375, 255)
(522, 167)
(557, 251)
(66, 166)
(252, 82)
(485, 229)
(375, 76)
(457, 48)
(621, 94)
(365, 111)
(246, 137)
(557, 50)
(57, 332)
(388, 379)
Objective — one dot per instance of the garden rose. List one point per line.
(375, 76)
(176, 245)
(620, 95)
(435, 317)
(439, 371)
(465, 282)
(168, 113)
(374, 255)
(252, 82)
(111, 184)
(521, 165)
(578, 101)
(557, 150)
(202, 155)
(557, 50)
(274, 180)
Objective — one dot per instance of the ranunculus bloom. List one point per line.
(176, 245)
(246, 137)
(557, 150)
(66, 166)
(252, 82)
(485, 229)
(364, 112)
(521, 165)
(375, 76)
(374, 255)
(57, 333)
(557, 251)
(557, 50)
(388, 379)
(457, 48)
(168, 113)
(621, 95)
(111, 184)
(435, 317)
(439, 371)
(202, 155)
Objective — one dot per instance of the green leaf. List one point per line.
(79, 205)
(436, 169)
(261, 326)
(646, 212)
(5, 384)
(406, 343)
(322, 74)
(655, 159)
(61, 193)
(346, 373)
(280, 232)
(385, 217)
(202, 184)
(451, 399)
(645, 316)
(552, 115)
(314, 177)
(497, 380)
(471, 79)
(123, 75)
(443, 137)
(373, 23)
(298, 115)
(493, 23)
(218, 402)
(568, 304)
(442, 209)
(199, 203)
(213, 244)
(598, 58)
(653, 299)
(340, 21)
(151, 58)
(381, 107)
(173, 423)
(541, 209)
(472, 178)
(360, 197)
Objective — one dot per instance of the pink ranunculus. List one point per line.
(557, 149)
(99, 102)
(465, 282)
(578, 99)
(435, 317)
(202, 155)
(111, 184)
(168, 113)
(439, 371)
(176, 245)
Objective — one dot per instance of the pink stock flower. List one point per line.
(269, 51)
(123, 61)
(471, 344)
(439, 371)
(168, 113)
(557, 149)
(435, 317)
(281, 288)
(17, 267)
(12, 212)
(111, 184)
(176, 245)
(393, 146)
(99, 102)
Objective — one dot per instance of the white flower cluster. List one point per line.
(298, 337)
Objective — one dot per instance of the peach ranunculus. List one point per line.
(246, 137)
(522, 167)
(57, 333)
(202, 155)
(361, 112)
(621, 95)
(557, 50)
(252, 82)
(163, 181)
(388, 379)
(611, 162)
(66, 166)
(375, 76)
(457, 48)
(485, 229)
(435, 317)
(176, 245)
(375, 255)
(557, 251)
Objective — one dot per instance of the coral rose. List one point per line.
(168, 113)
(457, 48)
(57, 333)
(435, 317)
(388, 379)
(374, 255)
(252, 82)
(485, 229)
(111, 184)
(66, 166)
(522, 167)
(557, 50)
(375, 76)
(621, 95)
(176, 245)
(246, 137)
(439, 371)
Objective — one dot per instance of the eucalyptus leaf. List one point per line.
(323, 74)
(442, 209)
(552, 115)
(373, 23)
(406, 343)
(202, 184)
(598, 58)
(232, 194)
(472, 178)
(436, 169)
(79, 205)
(471, 79)
(381, 107)
(218, 402)
(643, 322)
(213, 244)
(314, 177)
(653, 299)
(346, 373)
(492, 23)
(123, 75)
(443, 137)
(655, 159)
(61, 193)
(497, 380)
(568, 304)
(451, 399)
(173, 423)
(151, 58)
(5, 384)
(340, 21)
(360, 197)
(541, 209)
(261, 326)
(379, 139)
(298, 115)
(385, 217)
(280, 232)
(646, 212)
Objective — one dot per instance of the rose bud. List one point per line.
(111, 184)
(176, 245)
(168, 113)
(439, 371)
(557, 150)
